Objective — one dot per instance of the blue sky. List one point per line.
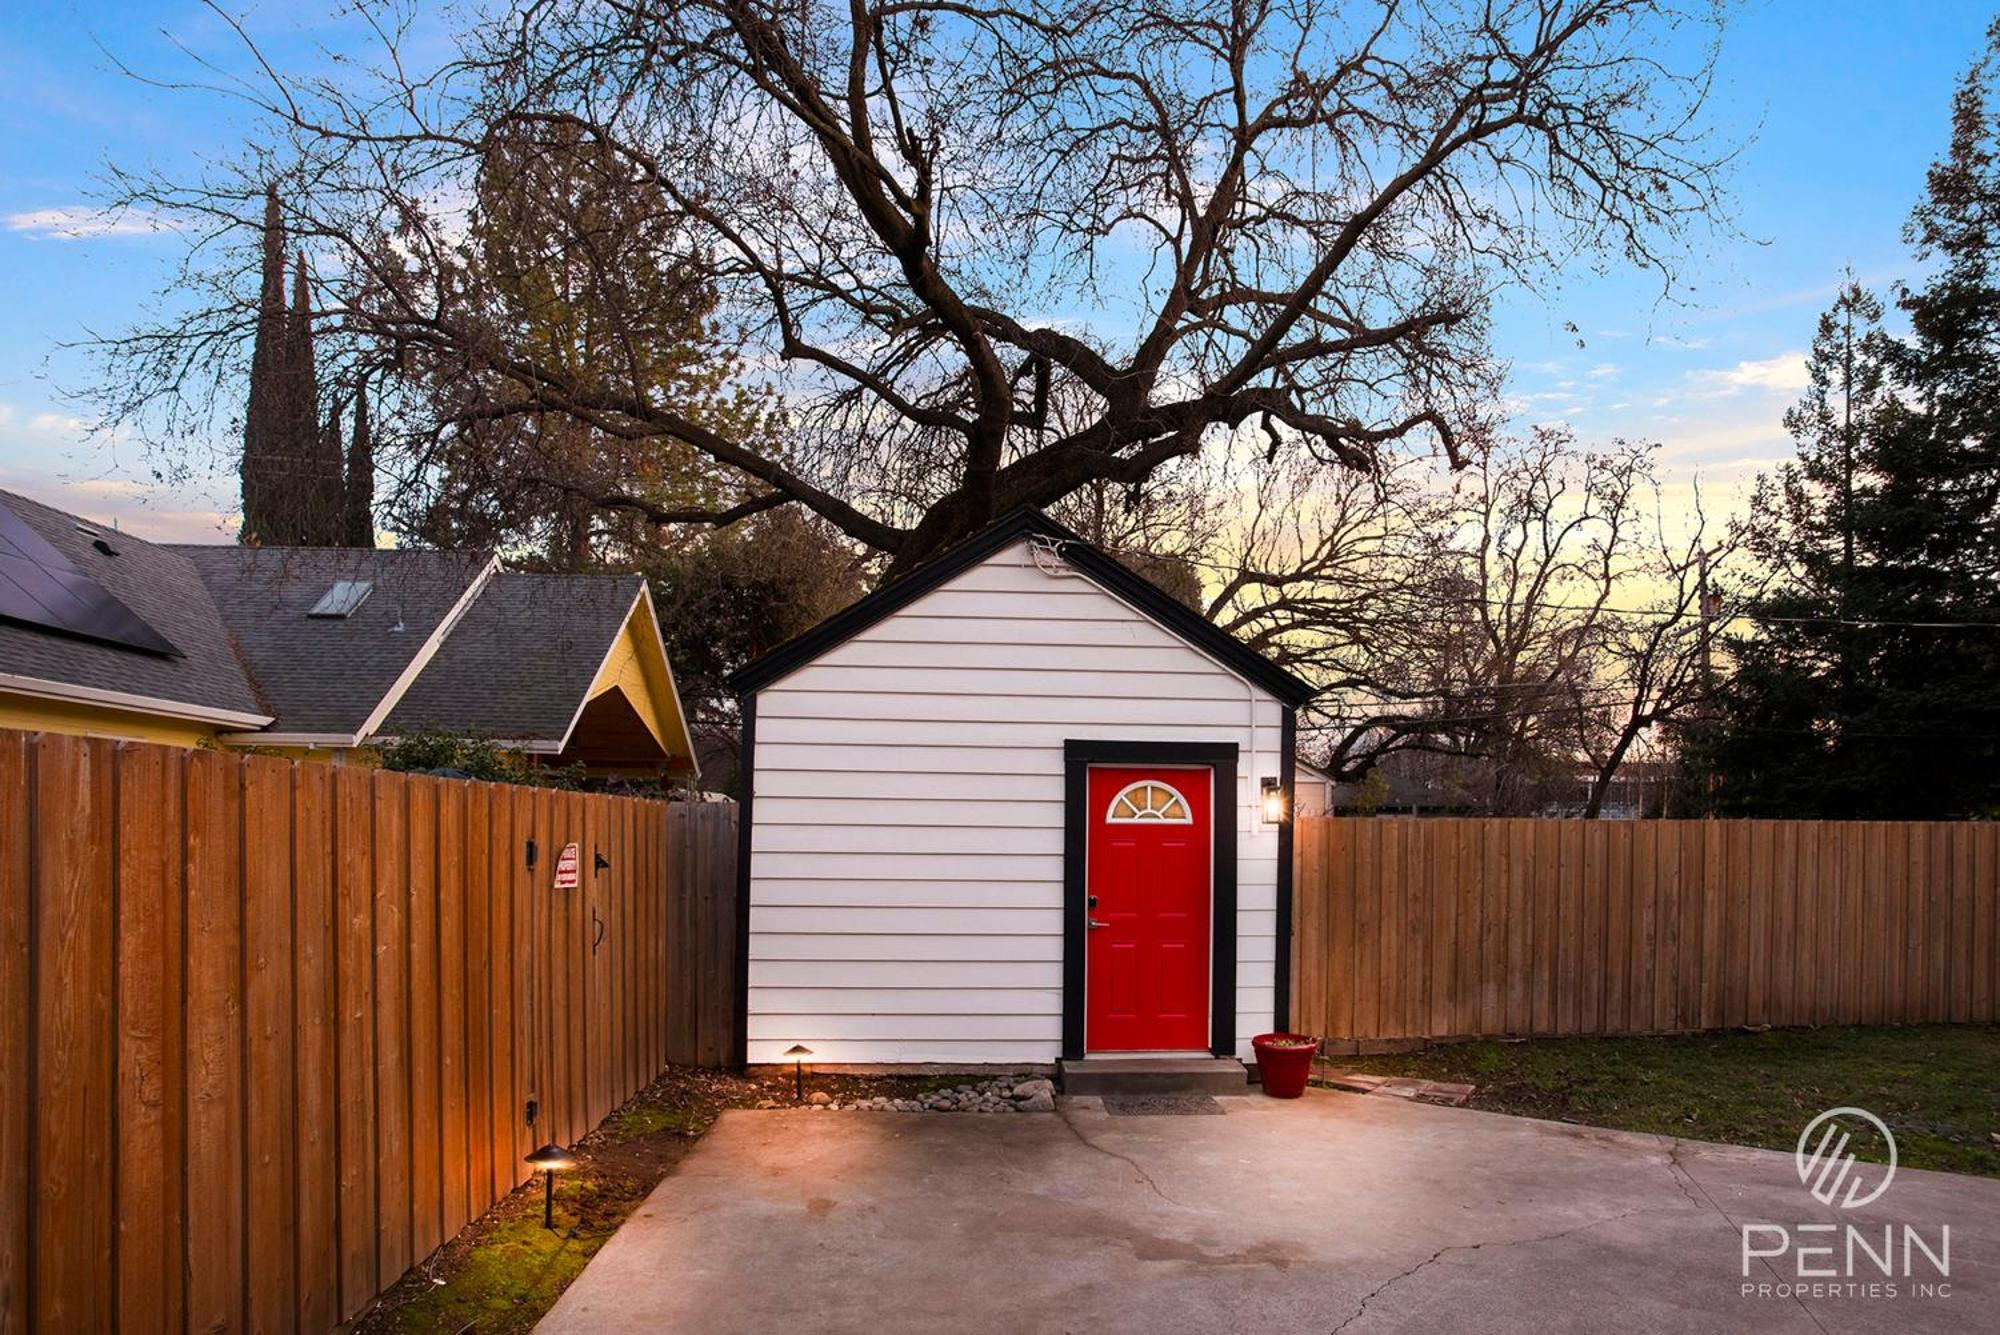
(1842, 103)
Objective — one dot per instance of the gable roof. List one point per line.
(334, 678)
(1103, 569)
(200, 680)
(520, 664)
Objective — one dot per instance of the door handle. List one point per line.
(1093, 924)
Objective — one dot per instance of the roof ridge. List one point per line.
(1107, 571)
(469, 552)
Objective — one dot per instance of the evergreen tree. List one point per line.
(1870, 686)
(291, 471)
(270, 420)
(571, 255)
(321, 498)
(360, 523)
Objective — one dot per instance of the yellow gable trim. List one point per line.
(637, 665)
(29, 714)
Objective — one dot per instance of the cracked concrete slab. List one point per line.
(1335, 1212)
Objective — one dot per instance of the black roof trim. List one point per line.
(1104, 569)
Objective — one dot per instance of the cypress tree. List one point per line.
(265, 417)
(360, 522)
(294, 488)
(321, 498)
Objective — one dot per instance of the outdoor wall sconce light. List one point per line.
(797, 1054)
(1274, 801)
(549, 1160)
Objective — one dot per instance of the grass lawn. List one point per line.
(1937, 1086)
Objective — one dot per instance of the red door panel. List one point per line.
(1147, 872)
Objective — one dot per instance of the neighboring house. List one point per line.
(1010, 809)
(1313, 790)
(101, 633)
(1639, 790)
(327, 651)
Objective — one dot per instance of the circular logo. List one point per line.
(1826, 1165)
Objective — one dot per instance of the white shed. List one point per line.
(1013, 808)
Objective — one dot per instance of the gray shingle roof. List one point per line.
(160, 585)
(517, 665)
(327, 674)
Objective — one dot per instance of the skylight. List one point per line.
(342, 598)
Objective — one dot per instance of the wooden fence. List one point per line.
(1419, 929)
(271, 1029)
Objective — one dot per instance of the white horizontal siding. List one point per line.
(922, 626)
(996, 1052)
(868, 762)
(780, 1028)
(900, 946)
(1024, 705)
(774, 893)
(900, 975)
(929, 657)
(806, 1001)
(902, 920)
(958, 841)
(902, 867)
(905, 786)
(954, 813)
(906, 864)
(836, 684)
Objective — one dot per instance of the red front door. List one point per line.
(1147, 870)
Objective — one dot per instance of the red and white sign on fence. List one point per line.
(566, 868)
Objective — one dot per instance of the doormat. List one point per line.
(1161, 1105)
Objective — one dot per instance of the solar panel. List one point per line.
(39, 587)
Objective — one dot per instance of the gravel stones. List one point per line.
(1005, 1094)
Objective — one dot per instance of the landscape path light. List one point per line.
(549, 1160)
(797, 1054)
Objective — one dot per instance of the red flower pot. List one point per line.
(1284, 1062)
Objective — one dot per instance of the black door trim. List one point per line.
(746, 793)
(1288, 783)
(1078, 756)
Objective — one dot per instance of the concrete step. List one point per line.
(1155, 1075)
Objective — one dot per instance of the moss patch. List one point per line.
(504, 1271)
(651, 1120)
(1937, 1086)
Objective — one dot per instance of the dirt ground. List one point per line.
(504, 1270)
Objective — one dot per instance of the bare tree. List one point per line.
(924, 219)
(1654, 653)
(1537, 613)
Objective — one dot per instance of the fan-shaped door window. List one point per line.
(1148, 801)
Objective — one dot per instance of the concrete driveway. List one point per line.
(1334, 1213)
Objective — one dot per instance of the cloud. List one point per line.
(45, 455)
(1786, 372)
(153, 512)
(76, 221)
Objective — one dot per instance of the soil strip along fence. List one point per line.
(1419, 929)
(271, 1029)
